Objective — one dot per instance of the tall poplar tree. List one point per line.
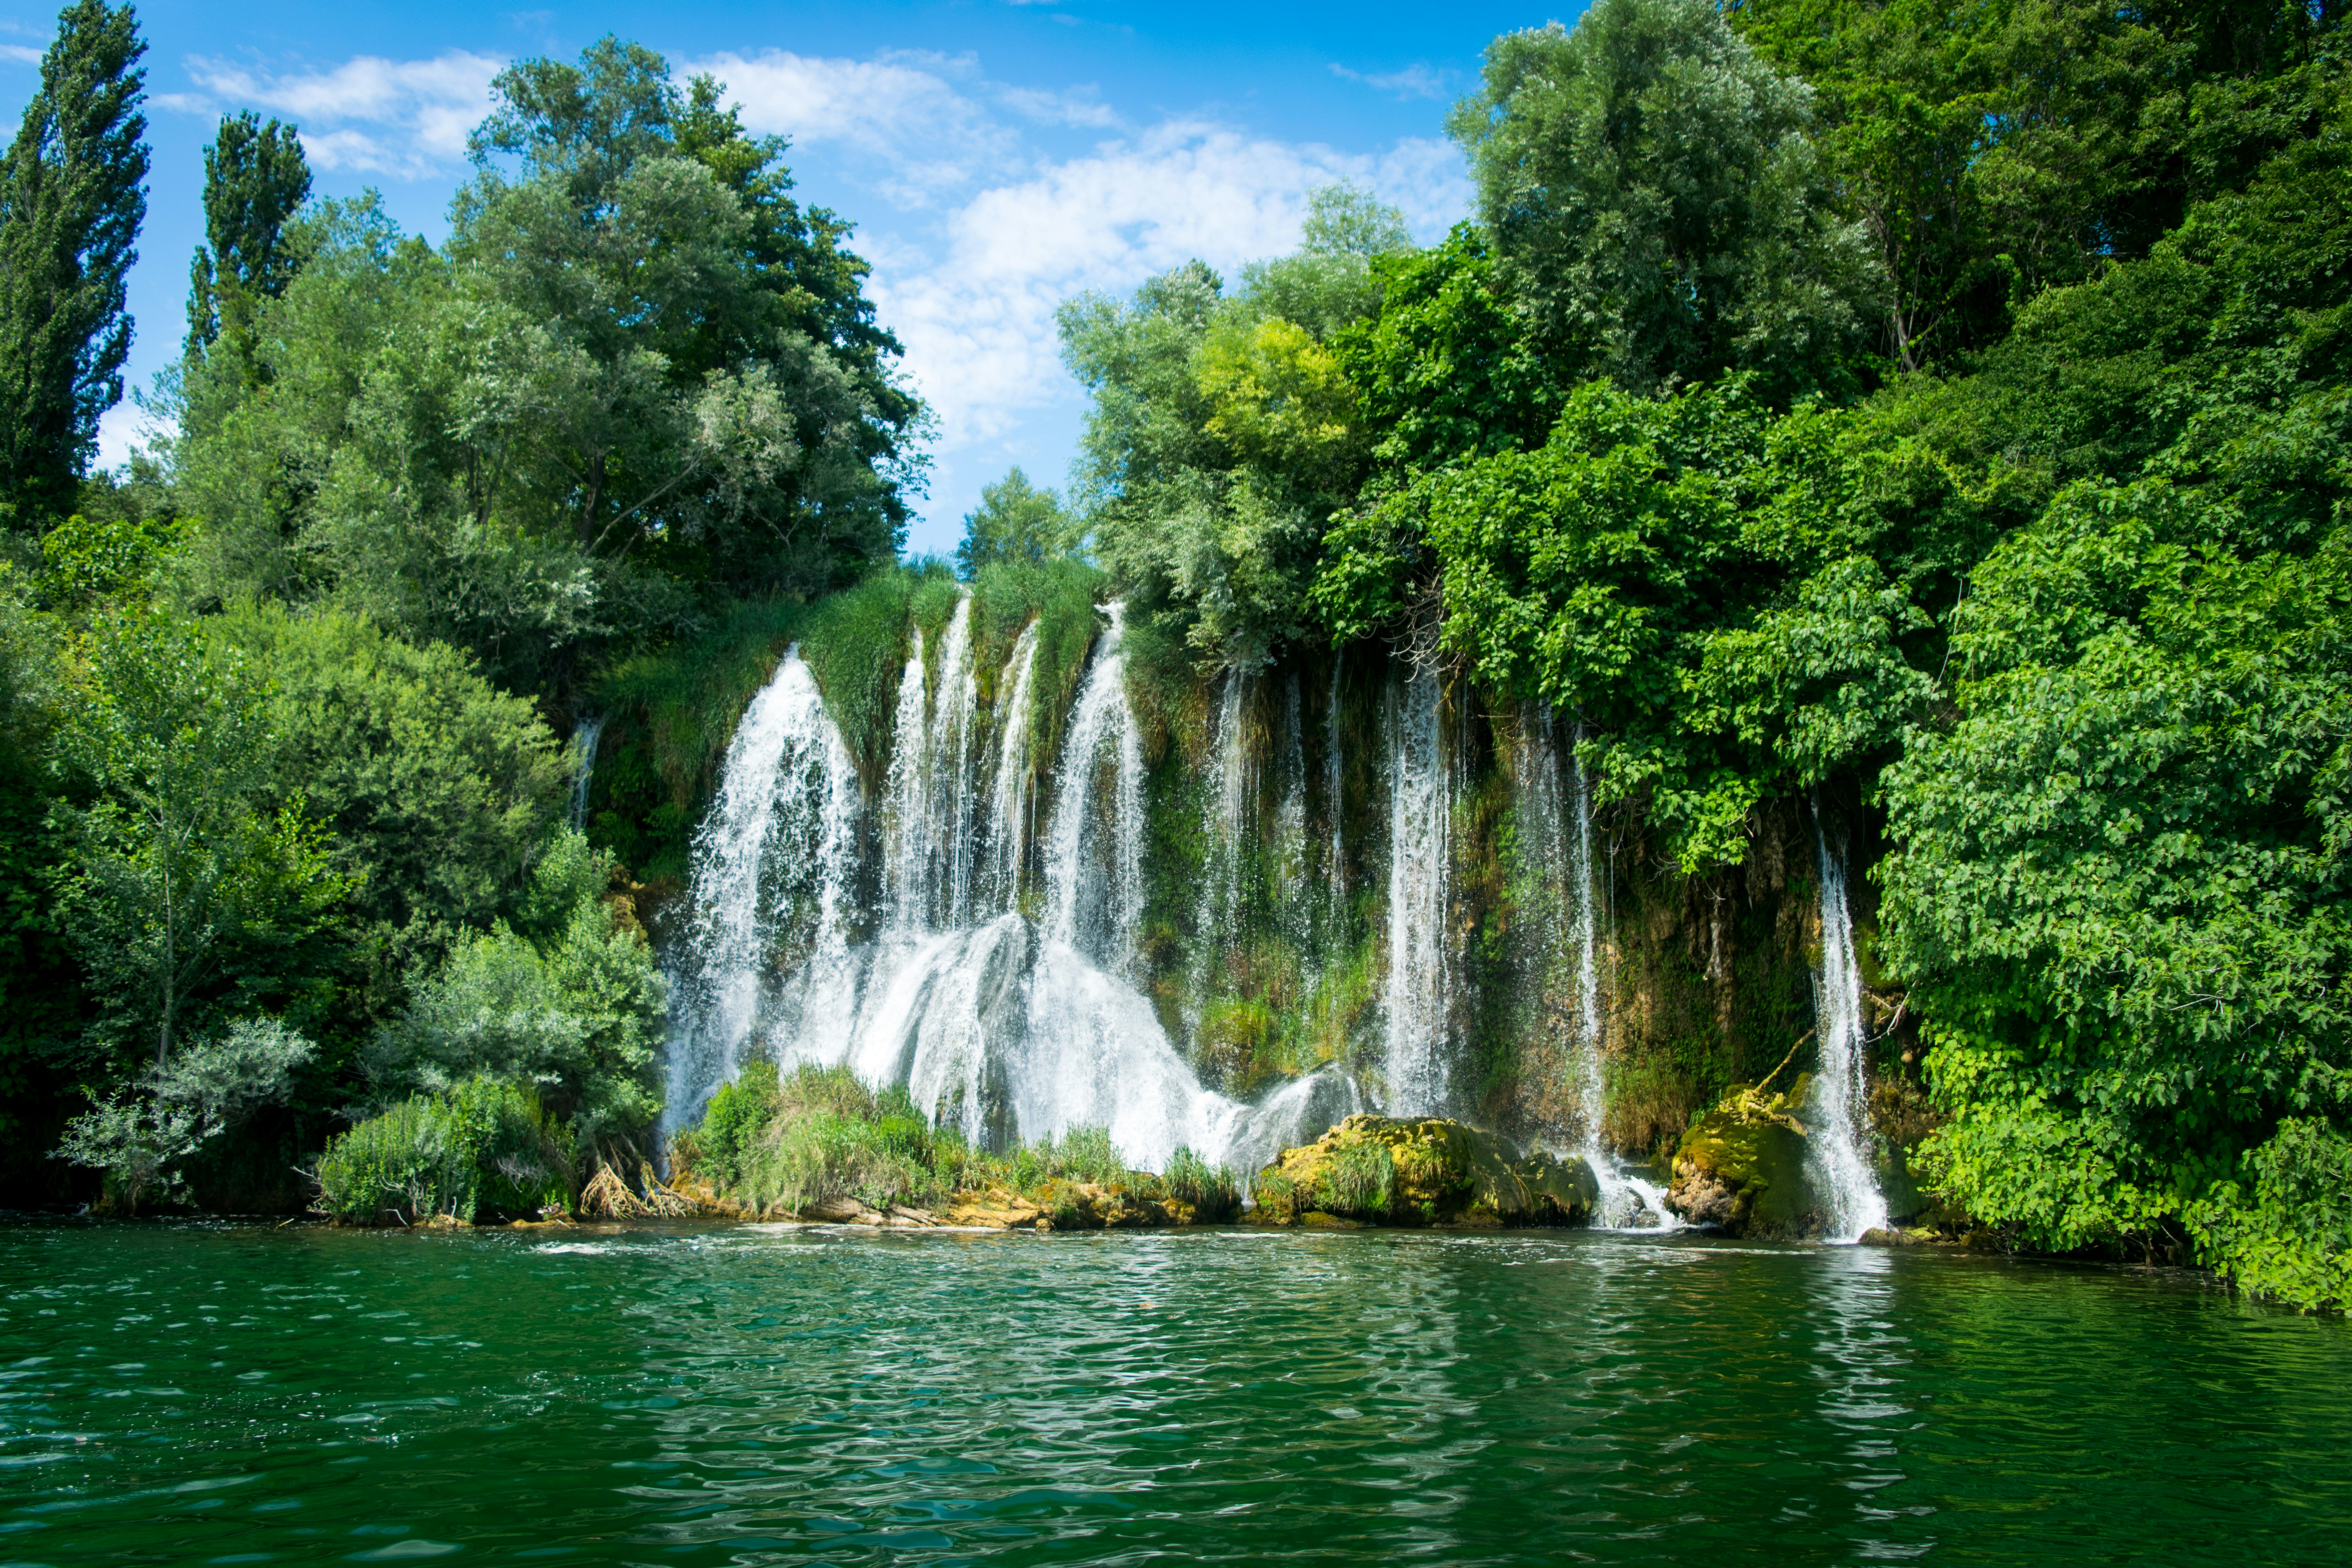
(70, 205)
(255, 179)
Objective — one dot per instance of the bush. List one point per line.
(483, 1145)
(140, 1139)
(2291, 1238)
(571, 1002)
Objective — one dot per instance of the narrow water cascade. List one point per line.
(1335, 783)
(1290, 847)
(1227, 825)
(585, 736)
(1555, 835)
(1418, 996)
(1840, 1089)
(947, 751)
(905, 854)
(771, 872)
(1010, 797)
(1094, 847)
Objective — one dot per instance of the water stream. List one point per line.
(585, 736)
(1840, 1090)
(1418, 993)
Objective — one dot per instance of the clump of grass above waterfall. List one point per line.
(788, 1143)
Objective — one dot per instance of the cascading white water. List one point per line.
(1335, 866)
(994, 1026)
(1418, 996)
(1094, 858)
(1225, 833)
(585, 736)
(1008, 790)
(771, 871)
(927, 835)
(1555, 837)
(906, 852)
(948, 752)
(1840, 1089)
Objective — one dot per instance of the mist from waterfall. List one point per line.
(1841, 1089)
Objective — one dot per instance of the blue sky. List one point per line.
(995, 157)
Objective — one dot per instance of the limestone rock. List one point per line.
(1742, 1167)
(1434, 1170)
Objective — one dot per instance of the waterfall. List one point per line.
(905, 854)
(947, 749)
(997, 1026)
(1008, 791)
(771, 869)
(1418, 996)
(1840, 1090)
(1225, 824)
(1334, 868)
(585, 736)
(1290, 820)
(1555, 841)
(1094, 869)
(928, 869)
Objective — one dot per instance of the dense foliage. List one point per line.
(1942, 407)
(284, 810)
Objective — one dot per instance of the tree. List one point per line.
(1015, 522)
(1659, 206)
(256, 178)
(180, 863)
(70, 207)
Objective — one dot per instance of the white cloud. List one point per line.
(20, 54)
(408, 118)
(897, 110)
(1415, 81)
(978, 320)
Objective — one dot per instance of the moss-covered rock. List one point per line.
(1381, 1170)
(1742, 1166)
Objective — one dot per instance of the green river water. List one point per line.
(225, 1394)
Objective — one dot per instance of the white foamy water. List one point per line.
(1840, 1090)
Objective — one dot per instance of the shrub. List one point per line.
(736, 1116)
(140, 1139)
(483, 1146)
(1085, 1154)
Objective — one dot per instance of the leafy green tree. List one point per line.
(1015, 522)
(638, 378)
(255, 179)
(434, 789)
(1225, 431)
(567, 1000)
(1994, 149)
(180, 863)
(1653, 193)
(70, 207)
